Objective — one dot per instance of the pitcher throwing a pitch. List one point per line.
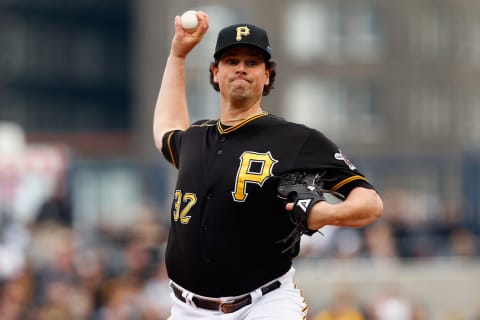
(249, 185)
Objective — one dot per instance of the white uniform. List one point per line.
(283, 303)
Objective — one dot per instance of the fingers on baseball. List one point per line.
(201, 26)
(203, 23)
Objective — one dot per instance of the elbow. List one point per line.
(158, 146)
(372, 212)
(158, 142)
(158, 133)
(376, 210)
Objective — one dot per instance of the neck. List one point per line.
(231, 121)
(232, 118)
(234, 112)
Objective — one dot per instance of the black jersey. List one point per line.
(226, 217)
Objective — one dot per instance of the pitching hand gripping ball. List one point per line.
(189, 21)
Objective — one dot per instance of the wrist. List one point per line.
(176, 57)
(322, 214)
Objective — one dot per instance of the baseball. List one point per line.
(189, 20)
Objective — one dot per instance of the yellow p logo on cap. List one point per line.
(242, 31)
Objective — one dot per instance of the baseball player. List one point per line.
(225, 255)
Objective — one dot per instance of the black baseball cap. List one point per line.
(243, 34)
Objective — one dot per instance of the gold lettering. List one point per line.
(189, 199)
(177, 201)
(245, 174)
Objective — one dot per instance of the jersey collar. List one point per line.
(224, 130)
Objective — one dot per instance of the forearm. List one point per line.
(171, 111)
(361, 207)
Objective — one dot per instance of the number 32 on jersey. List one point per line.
(181, 214)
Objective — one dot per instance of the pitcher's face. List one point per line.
(241, 73)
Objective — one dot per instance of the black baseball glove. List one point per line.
(305, 190)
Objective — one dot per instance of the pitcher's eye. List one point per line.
(231, 62)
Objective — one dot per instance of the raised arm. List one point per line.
(171, 111)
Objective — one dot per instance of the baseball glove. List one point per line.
(305, 190)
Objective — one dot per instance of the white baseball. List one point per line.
(189, 20)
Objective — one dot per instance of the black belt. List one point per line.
(228, 306)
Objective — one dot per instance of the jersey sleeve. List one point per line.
(320, 154)
(172, 141)
(171, 146)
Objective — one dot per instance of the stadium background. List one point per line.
(395, 83)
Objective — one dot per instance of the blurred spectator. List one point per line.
(379, 241)
(80, 304)
(319, 244)
(56, 277)
(410, 218)
(92, 273)
(56, 298)
(155, 295)
(463, 243)
(347, 243)
(57, 208)
(14, 242)
(16, 295)
(392, 305)
(138, 262)
(121, 302)
(343, 307)
(150, 231)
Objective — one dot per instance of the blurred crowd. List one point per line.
(411, 228)
(51, 269)
(54, 271)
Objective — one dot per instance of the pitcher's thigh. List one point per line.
(285, 303)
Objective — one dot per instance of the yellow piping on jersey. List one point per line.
(235, 127)
(344, 182)
(170, 151)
